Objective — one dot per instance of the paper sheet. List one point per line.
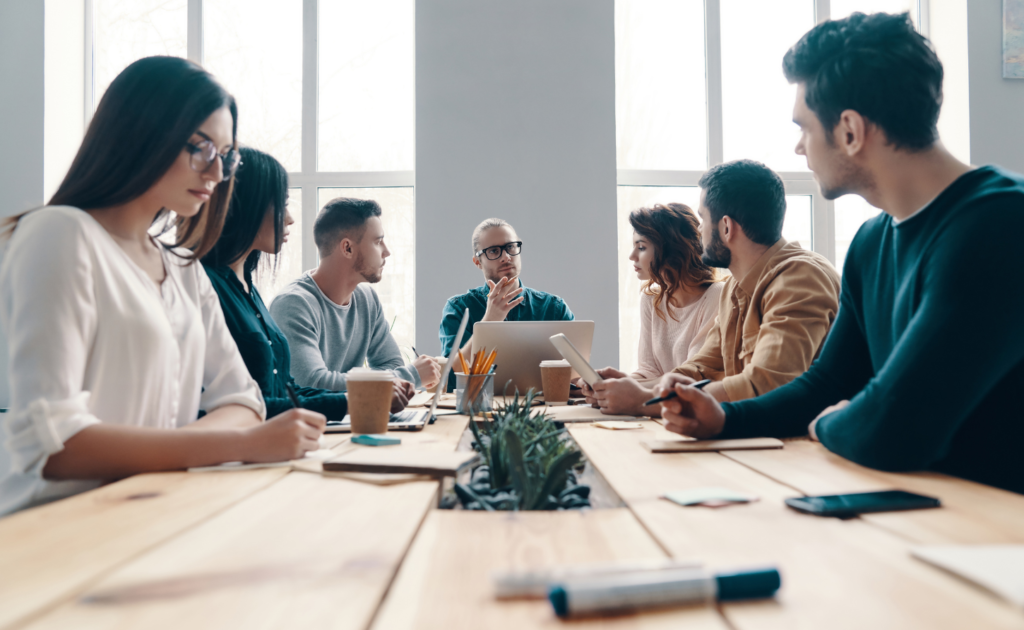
(997, 568)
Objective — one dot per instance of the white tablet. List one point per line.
(575, 359)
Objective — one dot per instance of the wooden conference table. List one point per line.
(294, 548)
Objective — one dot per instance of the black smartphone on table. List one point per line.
(848, 505)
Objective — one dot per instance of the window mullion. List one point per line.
(195, 31)
(713, 77)
(822, 10)
(90, 65)
(310, 71)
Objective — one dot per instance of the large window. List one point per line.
(698, 83)
(325, 86)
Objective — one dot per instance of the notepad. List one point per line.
(698, 446)
(583, 413)
(398, 460)
(996, 568)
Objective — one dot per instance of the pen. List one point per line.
(638, 591)
(291, 394)
(670, 395)
(415, 352)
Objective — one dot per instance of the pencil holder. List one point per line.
(480, 390)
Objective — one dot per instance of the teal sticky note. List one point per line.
(708, 496)
(375, 439)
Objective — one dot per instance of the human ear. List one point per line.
(476, 261)
(851, 132)
(345, 246)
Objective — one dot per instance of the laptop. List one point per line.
(414, 419)
(523, 345)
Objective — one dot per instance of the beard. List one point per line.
(716, 254)
(372, 276)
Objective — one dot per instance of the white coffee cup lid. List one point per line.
(561, 363)
(369, 374)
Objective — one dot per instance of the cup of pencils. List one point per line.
(474, 386)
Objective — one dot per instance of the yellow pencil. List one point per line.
(465, 366)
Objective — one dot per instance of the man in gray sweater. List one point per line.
(332, 319)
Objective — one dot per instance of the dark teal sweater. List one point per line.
(928, 345)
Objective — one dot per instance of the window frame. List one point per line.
(309, 179)
(823, 229)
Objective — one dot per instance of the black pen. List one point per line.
(291, 394)
(672, 394)
(414, 351)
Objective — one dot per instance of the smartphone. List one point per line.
(847, 505)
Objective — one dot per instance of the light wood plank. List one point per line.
(308, 552)
(972, 513)
(445, 581)
(836, 574)
(53, 552)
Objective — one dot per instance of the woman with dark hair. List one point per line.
(678, 305)
(257, 223)
(117, 342)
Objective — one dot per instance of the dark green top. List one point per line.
(265, 350)
(928, 345)
(536, 306)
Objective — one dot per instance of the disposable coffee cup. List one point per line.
(369, 400)
(555, 377)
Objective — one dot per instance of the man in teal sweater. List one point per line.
(924, 366)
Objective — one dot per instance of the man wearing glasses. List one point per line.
(496, 252)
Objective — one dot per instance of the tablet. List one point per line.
(575, 359)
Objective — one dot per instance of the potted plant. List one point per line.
(529, 463)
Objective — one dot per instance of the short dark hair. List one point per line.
(876, 65)
(261, 185)
(751, 194)
(342, 217)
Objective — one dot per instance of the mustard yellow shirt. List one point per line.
(771, 323)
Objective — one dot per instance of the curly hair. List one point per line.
(673, 230)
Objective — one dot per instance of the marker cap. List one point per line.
(749, 584)
(559, 600)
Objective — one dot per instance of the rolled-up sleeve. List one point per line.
(48, 312)
(797, 309)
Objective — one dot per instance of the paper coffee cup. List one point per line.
(369, 399)
(555, 377)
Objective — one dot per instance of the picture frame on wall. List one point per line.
(1013, 39)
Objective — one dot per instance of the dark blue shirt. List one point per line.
(928, 345)
(536, 306)
(265, 349)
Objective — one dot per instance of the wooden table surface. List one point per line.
(295, 548)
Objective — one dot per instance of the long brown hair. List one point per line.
(140, 128)
(673, 230)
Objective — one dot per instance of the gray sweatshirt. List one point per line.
(328, 340)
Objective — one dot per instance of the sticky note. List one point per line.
(708, 497)
(618, 425)
(375, 439)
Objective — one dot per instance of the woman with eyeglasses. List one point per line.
(257, 224)
(497, 252)
(678, 306)
(117, 341)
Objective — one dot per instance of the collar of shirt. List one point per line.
(749, 281)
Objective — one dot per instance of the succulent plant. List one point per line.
(528, 462)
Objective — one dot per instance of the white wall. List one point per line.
(947, 29)
(997, 104)
(515, 118)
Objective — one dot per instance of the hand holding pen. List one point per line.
(687, 409)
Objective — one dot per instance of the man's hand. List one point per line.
(502, 299)
(811, 428)
(403, 392)
(429, 370)
(692, 412)
(607, 372)
(623, 396)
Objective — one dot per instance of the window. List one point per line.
(698, 83)
(325, 86)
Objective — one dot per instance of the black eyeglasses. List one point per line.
(494, 253)
(203, 154)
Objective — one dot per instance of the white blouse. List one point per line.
(91, 338)
(665, 344)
